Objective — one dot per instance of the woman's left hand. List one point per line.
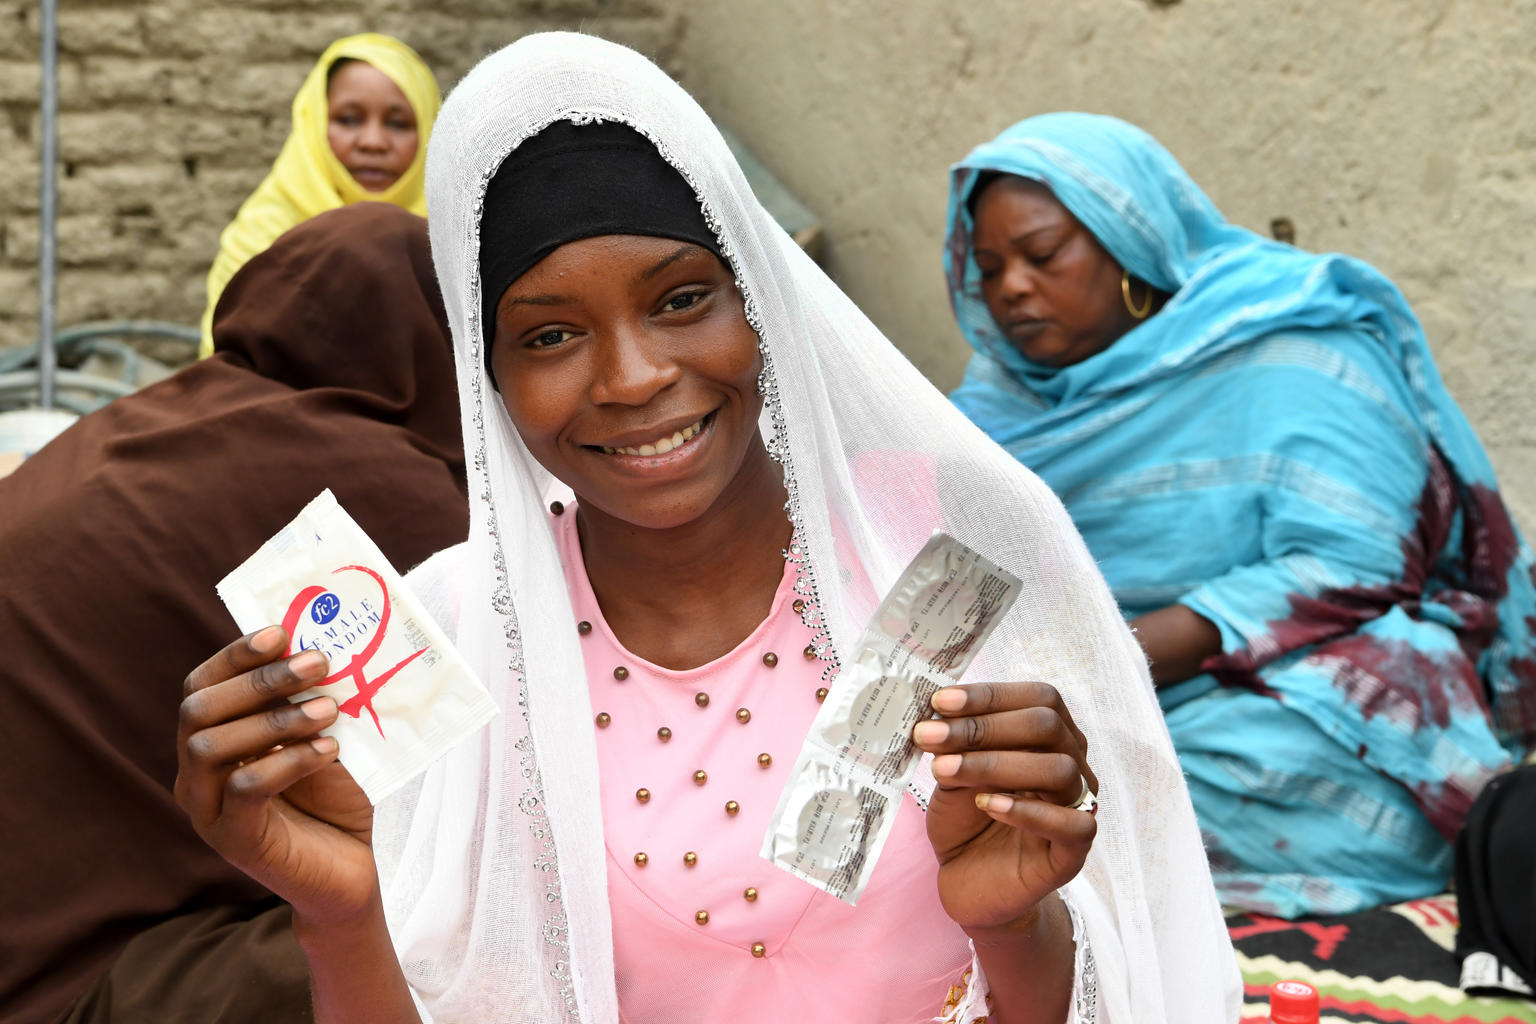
(1011, 764)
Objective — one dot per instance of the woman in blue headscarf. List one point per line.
(1297, 518)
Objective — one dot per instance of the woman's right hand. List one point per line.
(264, 790)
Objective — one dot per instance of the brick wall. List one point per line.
(171, 112)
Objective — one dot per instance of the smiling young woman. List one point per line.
(636, 386)
(634, 330)
(647, 343)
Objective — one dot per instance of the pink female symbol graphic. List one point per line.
(366, 689)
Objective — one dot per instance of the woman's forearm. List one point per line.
(1177, 642)
(1030, 967)
(355, 977)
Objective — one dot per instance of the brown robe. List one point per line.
(333, 369)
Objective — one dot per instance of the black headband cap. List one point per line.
(571, 182)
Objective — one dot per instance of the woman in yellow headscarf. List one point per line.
(360, 126)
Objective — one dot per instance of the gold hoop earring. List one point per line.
(1125, 293)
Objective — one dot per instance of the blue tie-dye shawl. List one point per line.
(1274, 449)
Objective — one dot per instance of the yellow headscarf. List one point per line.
(307, 179)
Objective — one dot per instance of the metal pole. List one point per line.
(48, 158)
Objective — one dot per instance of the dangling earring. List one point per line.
(1125, 293)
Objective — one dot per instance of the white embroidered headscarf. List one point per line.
(493, 863)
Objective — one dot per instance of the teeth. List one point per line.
(661, 445)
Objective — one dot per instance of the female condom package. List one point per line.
(404, 694)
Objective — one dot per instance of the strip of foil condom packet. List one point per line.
(405, 694)
(846, 788)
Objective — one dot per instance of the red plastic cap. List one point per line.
(1293, 1002)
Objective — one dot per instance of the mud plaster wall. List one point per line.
(1400, 131)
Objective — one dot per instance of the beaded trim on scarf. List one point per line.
(556, 929)
(1086, 986)
(973, 992)
(955, 1000)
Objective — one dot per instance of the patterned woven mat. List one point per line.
(1391, 965)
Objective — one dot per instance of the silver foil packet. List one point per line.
(845, 789)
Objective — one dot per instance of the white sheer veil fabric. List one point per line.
(493, 863)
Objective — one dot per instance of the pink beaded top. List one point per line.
(690, 766)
